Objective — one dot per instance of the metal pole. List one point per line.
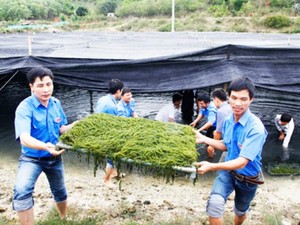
(173, 15)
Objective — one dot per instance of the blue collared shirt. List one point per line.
(211, 113)
(40, 122)
(245, 138)
(107, 104)
(126, 109)
(223, 112)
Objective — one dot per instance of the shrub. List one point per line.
(240, 28)
(12, 10)
(215, 2)
(297, 22)
(107, 6)
(281, 3)
(145, 8)
(33, 9)
(296, 8)
(62, 17)
(219, 10)
(81, 11)
(187, 5)
(165, 28)
(247, 9)
(158, 7)
(277, 22)
(216, 29)
(237, 4)
(74, 18)
(295, 31)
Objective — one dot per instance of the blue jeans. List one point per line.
(224, 185)
(110, 163)
(28, 172)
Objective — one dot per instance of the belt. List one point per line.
(52, 158)
(249, 179)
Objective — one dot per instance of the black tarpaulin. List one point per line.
(271, 68)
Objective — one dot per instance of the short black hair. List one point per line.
(125, 90)
(285, 117)
(39, 72)
(115, 85)
(203, 97)
(176, 97)
(242, 83)
(219, 93)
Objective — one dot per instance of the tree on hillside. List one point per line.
(33, 9)
(81, 11)
(14, 10)
(107, 6)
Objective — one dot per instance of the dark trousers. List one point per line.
(210, 132)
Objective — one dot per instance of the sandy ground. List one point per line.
(145, 199)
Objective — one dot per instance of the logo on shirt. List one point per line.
(57, 120)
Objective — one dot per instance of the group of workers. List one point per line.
(40, 119)
(214, 113)
(125, 107)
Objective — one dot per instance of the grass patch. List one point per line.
(75, 217)
(283, 169)
(3, 220)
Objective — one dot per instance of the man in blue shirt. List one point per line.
(108, 104)
(208, 110)
(126, 104)
(243, 137)
(39, 121)
(219, 97)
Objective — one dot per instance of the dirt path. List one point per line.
(144, 198)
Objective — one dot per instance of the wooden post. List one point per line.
(225, 86)
(29, 44)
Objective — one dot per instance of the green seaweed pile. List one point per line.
(143, 141)
(283, 169)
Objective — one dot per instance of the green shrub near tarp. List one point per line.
(277, 22)
(142, 140)
(283, 169)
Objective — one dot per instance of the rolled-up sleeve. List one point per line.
(22, 120)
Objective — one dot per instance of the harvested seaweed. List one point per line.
(143, 141)
(284, 169)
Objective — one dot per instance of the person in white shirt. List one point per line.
(167, 112)
(285, 125)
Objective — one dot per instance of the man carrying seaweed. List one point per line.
(243, 137)
(126, 104)
(219, 97)
(108, 104)
(209, 111)
(39, 121)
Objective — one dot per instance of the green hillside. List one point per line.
(277, 16)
